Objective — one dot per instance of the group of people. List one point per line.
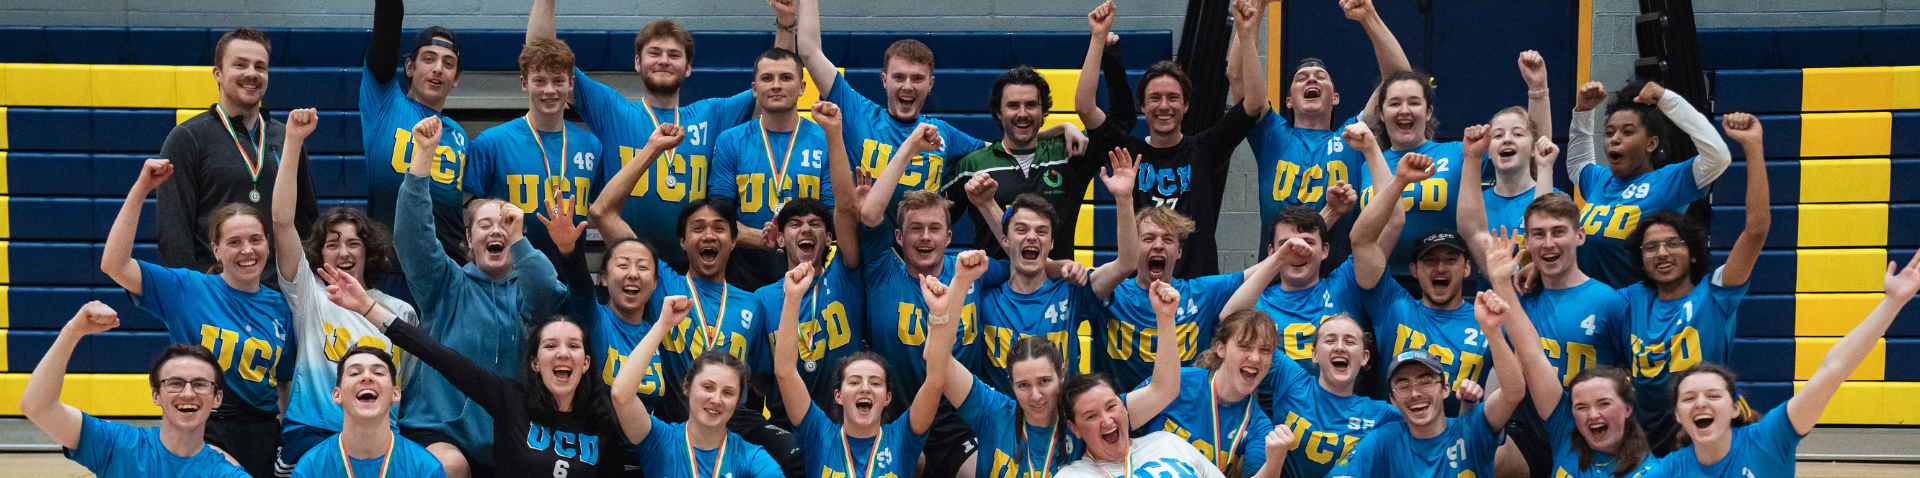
(749, 341)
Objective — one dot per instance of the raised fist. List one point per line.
(1650, 94)
(1533, 69)
(1590, 96)
(1414, 168)
(1742, 127)
(300, 123)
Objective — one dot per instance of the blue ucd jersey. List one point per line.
(1577, 326)
(247, 331)
(1128, 336)
(1429, 205)
(872, 133)
(665, 451)
(759, 179)
(1764, 449)
(505, 162)
(614, 339)
(827, 329)
(825, 448)
(1668, 336)
(1508, 211)
(118, 450)
(1056, 310)
(1325, 426)
(1612, 208)
(1298, 313)
(1566, 461)
(387, 117)
(896, 321)
(1017, 449)
(406, 459)
(1296, 164)
(677, 177)
(1464, 450)
(1450, 335)
(723, 316)
(1191, 417)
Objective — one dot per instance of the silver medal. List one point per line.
(809, 365)
(777, 206)
(253, 195)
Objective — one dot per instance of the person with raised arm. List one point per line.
(187, 386)
(1301, 161)
(1679, 315)
(476, 310)
(1637, 179)
(367, 444)
(1300, 299)
(809, 233)
(349, 240)
(863, 390)
(663, 54)
(226, 308)
(907, 77)
(1521, 151)
(1185, 173)
(1225, 382)
(629, 271)
(1721, 442)
(714, 382)
(755, 164)
(1030, 303)
(1426, 443)
(389, 110)
(1588, 425)
(559, 412)
(1441, 320)
(1577, 315)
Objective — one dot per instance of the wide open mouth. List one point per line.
(496, 247)
(1031, 253)
(366, 395)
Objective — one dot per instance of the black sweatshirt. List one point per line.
(576, 441)
(209, 171)
(1190, 177)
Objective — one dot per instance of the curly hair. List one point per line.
(1692, 234)
(375, 239)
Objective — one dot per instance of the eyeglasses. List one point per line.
(1674, 243)
(1404, 388)
(175, 385)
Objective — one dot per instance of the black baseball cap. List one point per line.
(436, 35)
(1438, 238)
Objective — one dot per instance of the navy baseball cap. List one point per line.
(436, 35)
(1416, 356)
(1436, 239)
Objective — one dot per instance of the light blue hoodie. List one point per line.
(469, 312)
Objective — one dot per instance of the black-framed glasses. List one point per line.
(200, 386)
(1674, 243)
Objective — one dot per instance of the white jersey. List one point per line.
(1158, 455)
(323, 332)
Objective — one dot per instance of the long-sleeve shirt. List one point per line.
(211, 171)
(1612, 206)
(469, 312)
(580, 440)
(387, 116)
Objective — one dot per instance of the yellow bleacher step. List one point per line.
(1831, 315)
(107, 86)
(1839, 270)
(99, 394)
(1846, 134)
(1842, 225)
(1809, 351)
(1845, 180)
(1872, 403)
(1860, 88)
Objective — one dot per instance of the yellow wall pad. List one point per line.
(1083, 256)
(1061, 84)
(98, 394)
(6, 222)
(194, 87)
(810, 93)
(1846, 89)
(6, 321)
(33, 84)
(3, 143)
(1906, 87)
(181, 116)
(1083, 227)
(1070, 118)
(3, 154)
(1846, 134)
(1872, 403)
(1843, 225)
(1831, 315)
(135, 86)
(1809, 351)
(6, 269)
(1845, 180)
(1839, 270)
(3, 338)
